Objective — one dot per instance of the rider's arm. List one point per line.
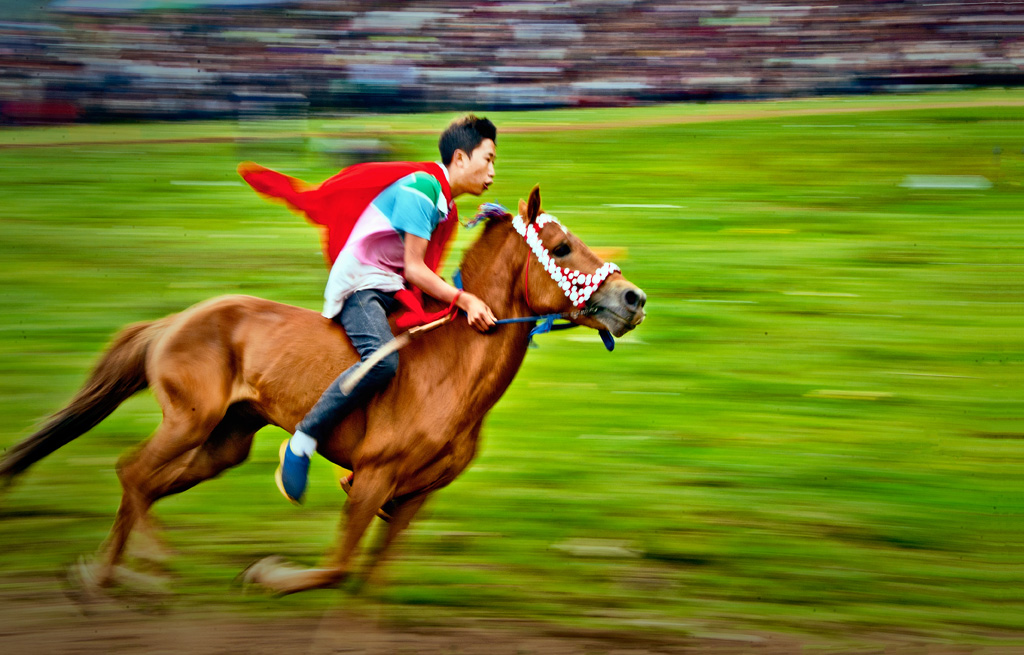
(419, 274)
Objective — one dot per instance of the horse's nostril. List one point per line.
(634, 299)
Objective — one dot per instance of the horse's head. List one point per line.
(570, 278)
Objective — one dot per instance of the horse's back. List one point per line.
(261, 351)
(236, 321)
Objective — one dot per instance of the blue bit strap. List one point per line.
(547, 323)
(608, 339)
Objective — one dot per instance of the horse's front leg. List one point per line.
(372, 488)
(403, 513)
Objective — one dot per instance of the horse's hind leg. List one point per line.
(227, 446)
(152, 548)
(187, 424)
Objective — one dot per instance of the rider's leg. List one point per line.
(364, 317)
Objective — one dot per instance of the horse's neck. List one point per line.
(492, 270)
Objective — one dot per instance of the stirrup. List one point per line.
(346, 485)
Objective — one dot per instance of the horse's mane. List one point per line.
(497, 224)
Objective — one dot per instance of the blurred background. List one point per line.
(812, 443)
(107, 59)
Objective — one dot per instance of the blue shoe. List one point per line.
(292, 474)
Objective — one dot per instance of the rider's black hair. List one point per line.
(465, 134)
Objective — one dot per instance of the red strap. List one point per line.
(455, 300)
(526, 284)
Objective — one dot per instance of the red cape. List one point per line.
(337, 203)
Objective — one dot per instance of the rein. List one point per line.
(547, 321)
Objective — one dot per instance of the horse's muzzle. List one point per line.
(618, 305)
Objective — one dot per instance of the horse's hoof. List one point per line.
(91, 593)
(141, 583)
(255, 574)
(81, 584)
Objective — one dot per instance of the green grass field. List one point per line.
(818, 429)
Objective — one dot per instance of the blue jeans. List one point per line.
(365, 319)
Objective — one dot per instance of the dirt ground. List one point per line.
(48, 621)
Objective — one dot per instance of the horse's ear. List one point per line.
(532, 205)
(522, 209)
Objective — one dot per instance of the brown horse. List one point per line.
(223, 369)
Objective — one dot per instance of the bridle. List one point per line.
(576, 285)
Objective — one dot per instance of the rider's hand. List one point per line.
(478, 313)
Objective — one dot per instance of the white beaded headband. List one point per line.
(576, 285)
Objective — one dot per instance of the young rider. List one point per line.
(388, 246)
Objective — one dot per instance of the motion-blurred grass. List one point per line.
(818, 428)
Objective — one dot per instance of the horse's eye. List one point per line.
(561, 250)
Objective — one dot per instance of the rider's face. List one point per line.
(477, 169)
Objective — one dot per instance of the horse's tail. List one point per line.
(120, 374)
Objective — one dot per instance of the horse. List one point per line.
(226, 367)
